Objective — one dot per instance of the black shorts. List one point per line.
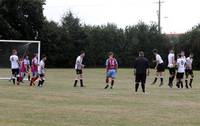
(189, 72)
(78, 72)
(179, 75)
(15, 71)
(27, 69)
(161, 67)
(172, 71)
(41, 75)
(140, 78)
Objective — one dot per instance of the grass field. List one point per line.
(59, 104)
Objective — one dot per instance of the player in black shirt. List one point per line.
(141, 70)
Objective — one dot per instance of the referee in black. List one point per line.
(141, 70)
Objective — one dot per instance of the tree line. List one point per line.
(62, 42)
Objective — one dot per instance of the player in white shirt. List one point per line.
(160, 68)
(181, 63)
(171, 67)
(78, 67)
(189, 71)
(27, 66)
(41, 71)
(14, 60)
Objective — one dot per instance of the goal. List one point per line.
(23, 48)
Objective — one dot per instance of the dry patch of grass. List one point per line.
(59, 104)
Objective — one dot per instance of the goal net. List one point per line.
(24, 48)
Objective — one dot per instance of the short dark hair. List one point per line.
(171, 50)
(26, 56)
(14, 50)
(110, 53)
(82, 51)
(179, 55)
(155, 51)
(34, 55)
(141, 53)
(43, 56)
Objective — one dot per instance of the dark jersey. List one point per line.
(141, 65)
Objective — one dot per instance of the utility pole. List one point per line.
(159, 16)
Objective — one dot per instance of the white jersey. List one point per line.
(171, 58)
(79, 65)
(26, 62)
(14, 62)
(189, 62)
(34, 61)
(41, 67)
(159, 59)
(181, 62)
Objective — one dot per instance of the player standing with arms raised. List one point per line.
(78, 67)
(159, 67)
(171, 67)
(15, 66)
(189, 71)
(111, 70)
(27, 66)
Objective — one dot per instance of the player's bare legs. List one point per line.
(76, 80)
(161, 79)
(156, 78)
(81, 80)
(107, 83)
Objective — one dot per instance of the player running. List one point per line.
(34, 69)
(189, 71)
(111, 70)
(141, 70)
(171, 67)
(15, 66)
(159, 67)
(78, 67)
(41, 71)
(181, 62)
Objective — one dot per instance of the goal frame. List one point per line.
(23, 41)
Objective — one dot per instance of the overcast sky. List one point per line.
(177, 15)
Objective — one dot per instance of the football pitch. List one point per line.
(58, 103)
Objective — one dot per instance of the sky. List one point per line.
(177, 16)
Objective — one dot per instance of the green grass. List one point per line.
(59, 104)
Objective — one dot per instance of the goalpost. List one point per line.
(24, 47)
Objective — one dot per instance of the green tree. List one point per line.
(73, 37)
(144, 37)
(21, 19)
(190, 43)
(52, 44)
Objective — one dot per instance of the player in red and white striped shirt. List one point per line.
(34, 69)
(111, 70)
